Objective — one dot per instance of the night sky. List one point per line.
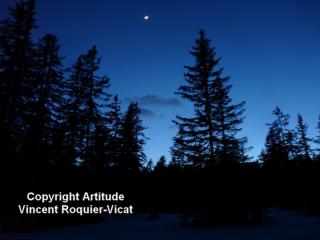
(270, 49)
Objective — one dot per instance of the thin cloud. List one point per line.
(145, 112)
(151, 99)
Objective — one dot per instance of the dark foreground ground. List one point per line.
(279, 224)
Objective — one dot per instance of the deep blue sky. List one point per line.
(269, 48)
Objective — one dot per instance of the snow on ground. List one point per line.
(284, 225)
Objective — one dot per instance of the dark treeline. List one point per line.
(57, 115)
(61, 130)
(58, 124)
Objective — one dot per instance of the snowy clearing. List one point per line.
(281, 225)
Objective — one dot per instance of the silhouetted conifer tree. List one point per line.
(48, 98)
(161, 164)
(317, 139)
(303, 141)
(100, 148)
(16, 94)
(133, 139)
(212, 131)
(73, 113)
(114, 118)
(274, 154)
(16, 64)
(94, 100)
(87, 99)
(279, 144)
(149, 166)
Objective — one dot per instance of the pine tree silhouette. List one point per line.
(303, 141)
(161, 164)
(279, 145)
(211, 133)
(133, 139)
(114, 118)
(16, 64)
(275, 153)
(317, 139)
(87, 99)
(48, 98)
(149, 166)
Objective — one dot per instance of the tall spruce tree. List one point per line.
(100, 152)
(211, 133)
(87, 99)
(303, 141)
(133, 140)
(48, 98)
(279, 144)
(274, 153)
(317, 139)
(114, 118)
(16, 64)
(71, 126)
(95, 99)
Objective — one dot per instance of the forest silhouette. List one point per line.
(61, 130)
